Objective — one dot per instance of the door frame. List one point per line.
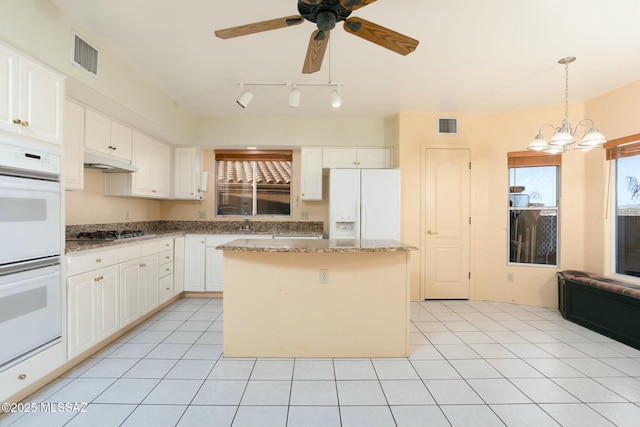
(423, 225)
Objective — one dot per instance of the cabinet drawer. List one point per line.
(165, 257)
(78, 264)
(149, 248)
(165, 269)
(129, 252)
(165, 245)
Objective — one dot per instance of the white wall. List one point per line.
(39, 29)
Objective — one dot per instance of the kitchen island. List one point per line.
(316, 298)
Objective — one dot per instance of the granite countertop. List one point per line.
(77, 246)
(315, 246)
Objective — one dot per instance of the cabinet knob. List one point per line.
(167, 269)
(153, 191)
(17, 121)
(25, 124)
(98, 279)
(98, 259)
(168, 289)
(143, 265)
(22, 376)
(168, 257)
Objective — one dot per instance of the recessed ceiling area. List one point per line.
(473, 57)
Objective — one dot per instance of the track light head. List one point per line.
(336, 98)
(294, 97)
(246, 96)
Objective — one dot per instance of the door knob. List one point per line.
(432, 233)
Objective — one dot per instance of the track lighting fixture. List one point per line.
(294, 97)
(294, 92)
(336, 98)
(245, 97)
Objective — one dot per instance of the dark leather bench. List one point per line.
(607, 306)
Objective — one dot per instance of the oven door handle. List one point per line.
(20, 267)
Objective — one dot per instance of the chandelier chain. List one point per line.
(566, 91)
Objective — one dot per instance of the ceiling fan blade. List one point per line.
(353, 4)
(315, 53)
(258, 27)
(381, 36)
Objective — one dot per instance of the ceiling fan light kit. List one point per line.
(325, 14)
(564, 136)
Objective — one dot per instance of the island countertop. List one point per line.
(315, 246)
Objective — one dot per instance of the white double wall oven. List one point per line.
(31, 245)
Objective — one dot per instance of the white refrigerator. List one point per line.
(364, 204)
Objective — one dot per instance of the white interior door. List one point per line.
(446, 224)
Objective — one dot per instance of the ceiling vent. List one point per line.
(83, 54)
(447, 125)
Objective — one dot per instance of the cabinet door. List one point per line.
(165, 288)
(311, 174)
(107, 302)
(73, 146)
(41, 101)
(97, 132)
(149, 283)
(374, 158)
(161, 171)
(142, 157)
(121, 137)
(8, 89)
(130, 292)
(194, 263)
(185, 185)
(82, 312)
(339, 158)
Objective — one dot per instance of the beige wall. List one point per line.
(90, 206)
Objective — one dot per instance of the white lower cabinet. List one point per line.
(194, 262)
(129, 292)
(203, 269)
(93, 308)
(109, 289)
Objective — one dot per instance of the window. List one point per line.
(253, 182)
(626, 204)
(533, 208)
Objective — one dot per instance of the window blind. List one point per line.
(523, 159)
(623, 147)
(257, 155)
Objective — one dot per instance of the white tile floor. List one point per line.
(472, 364)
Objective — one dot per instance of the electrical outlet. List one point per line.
(324, 275)
(509, 277)
(304, 215)
(202, 214)
(126, 215)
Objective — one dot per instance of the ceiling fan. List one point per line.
(325, 14)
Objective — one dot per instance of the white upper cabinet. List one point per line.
(363, 158)
(73, 145)
(153, 179)
(31, 98)
(107, 136)
(311, 173)
(187, 172)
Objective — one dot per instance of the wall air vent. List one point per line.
(83, 54)
(447, 125)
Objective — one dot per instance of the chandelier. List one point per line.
(564, 136)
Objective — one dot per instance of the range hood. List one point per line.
(107, 164)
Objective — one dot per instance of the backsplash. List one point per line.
(267, 227)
